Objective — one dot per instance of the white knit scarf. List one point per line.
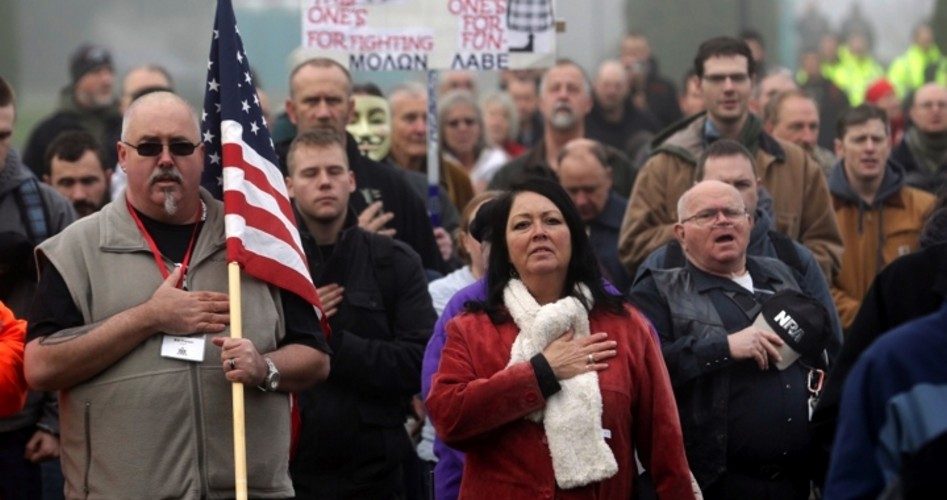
(572, 418)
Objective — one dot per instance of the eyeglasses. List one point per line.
(5, 135)
(706, 217)
(456, 122)
(736, 78)
(155, 148)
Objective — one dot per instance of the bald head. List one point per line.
(929, 109)
(157, 100)
(713, 228)
(704, 189)
(142, 79)
(584, 174)
(611, 85)
(771, 86)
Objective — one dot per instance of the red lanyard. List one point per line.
(162, 268)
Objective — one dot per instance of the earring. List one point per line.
(513, 274)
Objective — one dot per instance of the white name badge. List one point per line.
(186, 348)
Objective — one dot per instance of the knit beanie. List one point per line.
(88, 58)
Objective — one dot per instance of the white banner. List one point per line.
(419, 35)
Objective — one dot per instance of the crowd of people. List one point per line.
(630, 287)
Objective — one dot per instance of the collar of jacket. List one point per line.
(889, 193)
(119, 234)
(704, 281)
(351, 221)
(68, 104)
(686, 140)
(13, 172)
(613, 212)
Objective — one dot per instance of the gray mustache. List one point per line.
(168, 174)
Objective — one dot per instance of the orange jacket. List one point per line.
(12, 382)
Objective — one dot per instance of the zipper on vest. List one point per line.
(199, 429)
(88, 447)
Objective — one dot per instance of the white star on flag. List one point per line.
(254, 128)
(245, 106)
(213, 85)
(208, 137)
(246, 77)
(214, 158)
(239, 57)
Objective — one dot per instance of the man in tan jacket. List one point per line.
(801, 206)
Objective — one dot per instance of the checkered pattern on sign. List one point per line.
(530, 16)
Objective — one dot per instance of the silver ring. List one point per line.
(233, 363)
(591, 360)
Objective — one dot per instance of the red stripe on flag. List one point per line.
(261, 219)
(233, 157)
(272, 271)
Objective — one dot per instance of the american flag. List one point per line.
(241, 165)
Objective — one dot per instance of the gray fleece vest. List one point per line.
(154, 427)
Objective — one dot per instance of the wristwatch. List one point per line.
(271, 381)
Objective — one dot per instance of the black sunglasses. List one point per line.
(155, 148)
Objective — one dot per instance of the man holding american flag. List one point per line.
(125, 305)
(128, 297)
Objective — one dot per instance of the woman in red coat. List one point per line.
(551, 383)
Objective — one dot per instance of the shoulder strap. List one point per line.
(673, 255)
(32, 210)
(786, 251)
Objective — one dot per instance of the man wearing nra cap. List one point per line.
(86, 103)
(741, 387)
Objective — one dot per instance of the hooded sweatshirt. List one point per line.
(17, 278)
(874, 234)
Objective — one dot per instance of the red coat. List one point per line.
(12, 383)
(478, 406)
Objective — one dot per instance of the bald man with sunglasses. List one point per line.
(130, 323)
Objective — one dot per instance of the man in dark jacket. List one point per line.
(910, 287)
(744, 422)
(30, 212)
(923, 149)
(86, 104)
(584, 174)
(728, 161)
(353, 443)
(614, 120)
(320, 97)
(650, 91)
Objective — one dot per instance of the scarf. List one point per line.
(572, 418)
(929, 152)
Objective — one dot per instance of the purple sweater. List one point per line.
(450, 462)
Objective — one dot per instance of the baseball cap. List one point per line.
(87, 58)
(800, 321)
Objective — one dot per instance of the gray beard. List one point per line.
(170, 204)
(563, 120)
